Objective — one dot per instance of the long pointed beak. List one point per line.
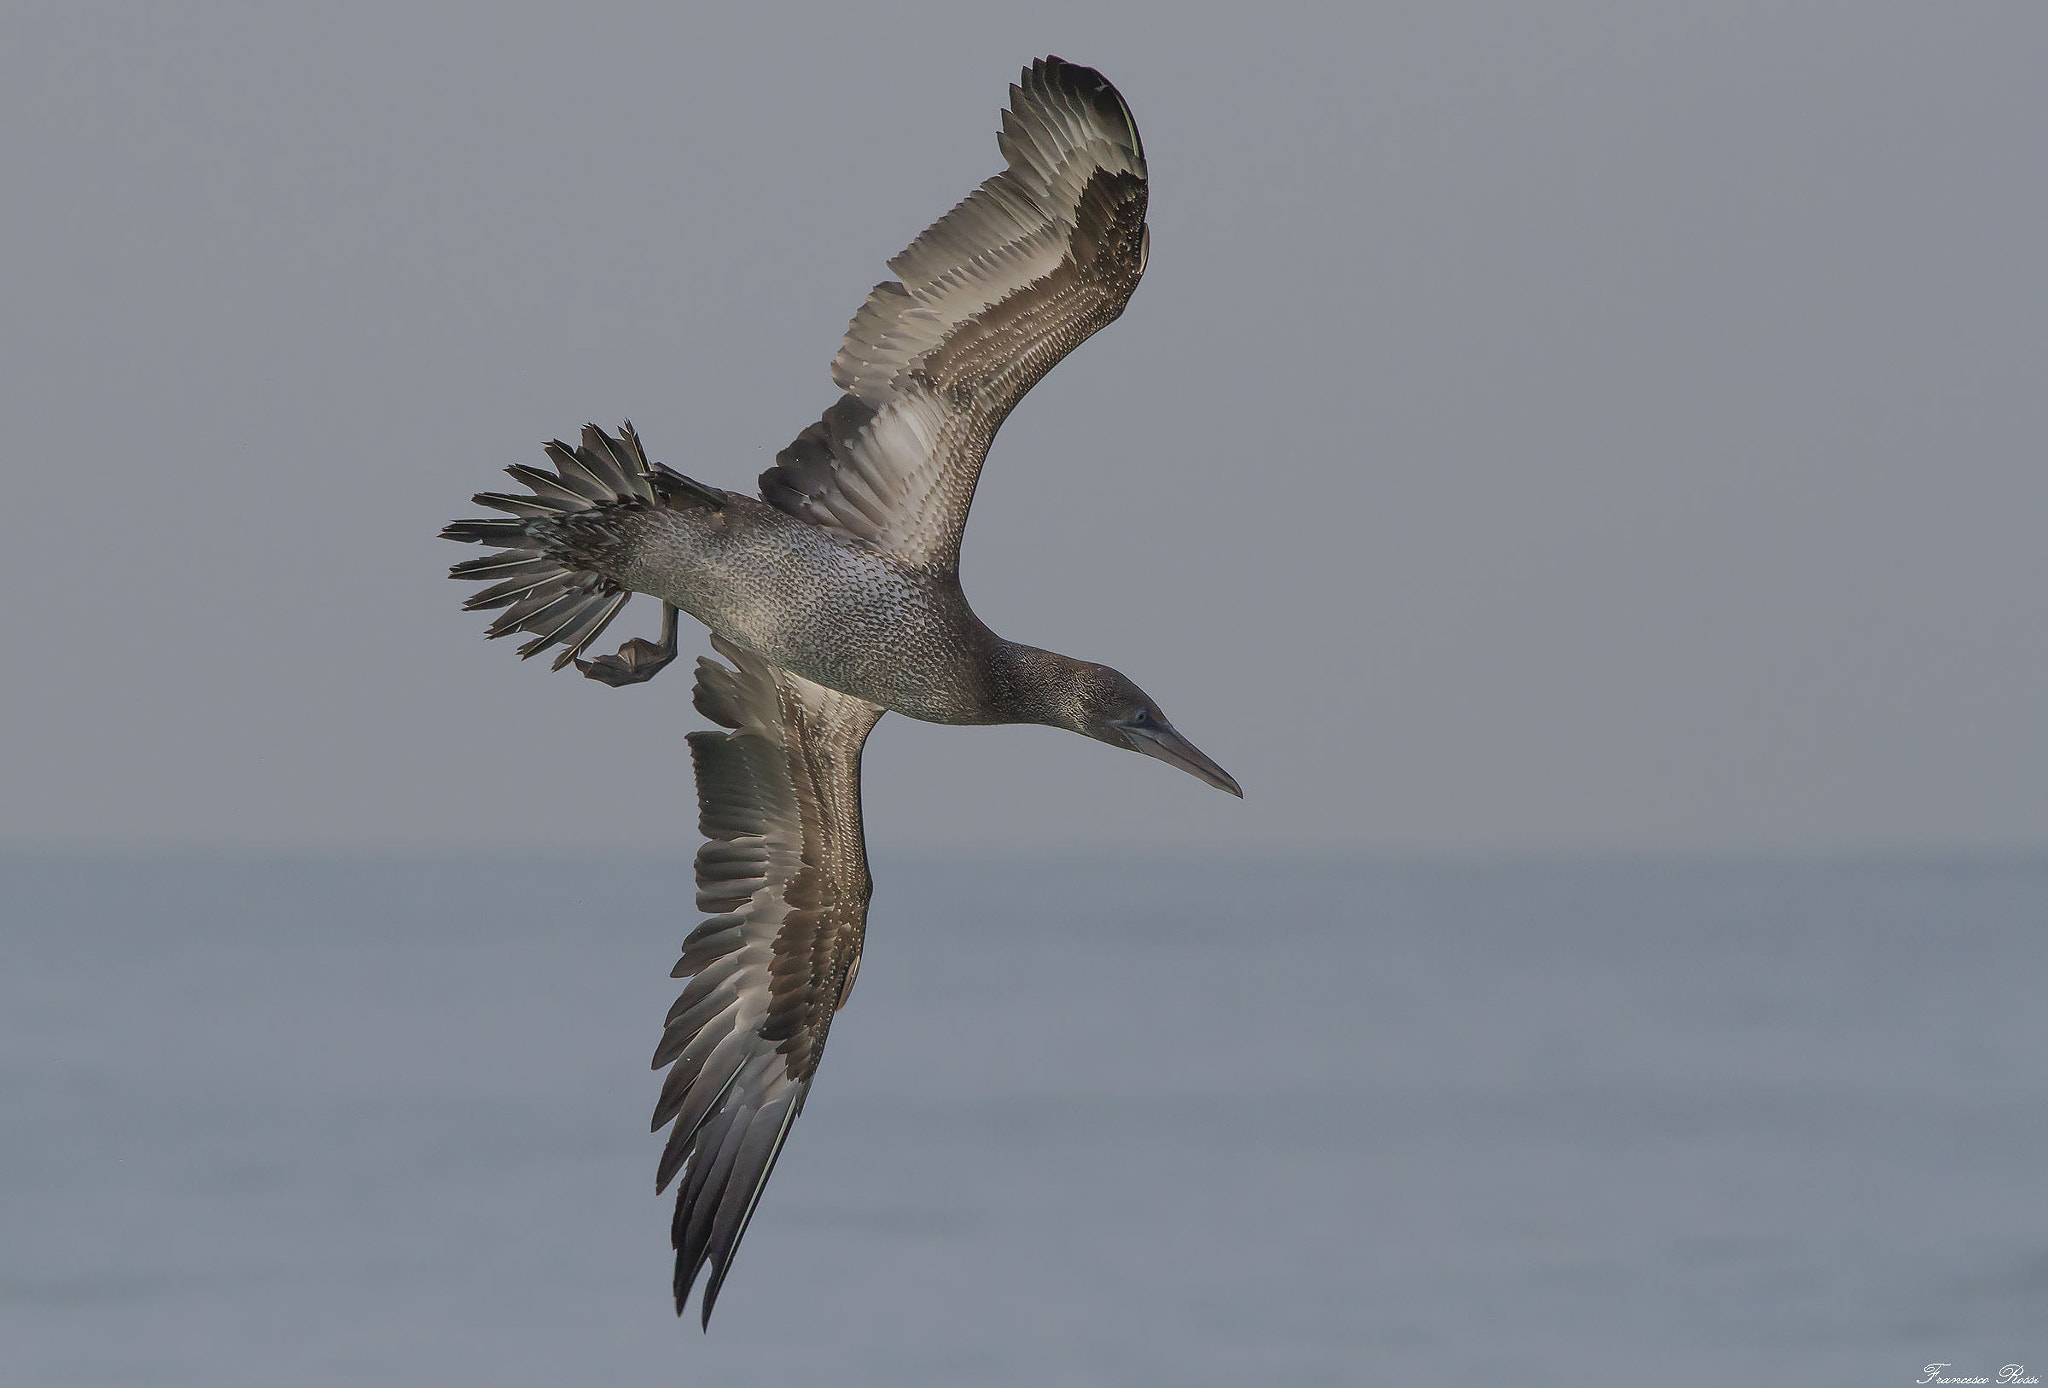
(1165, 743)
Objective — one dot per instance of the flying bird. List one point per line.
(835, 598)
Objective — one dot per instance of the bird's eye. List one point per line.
(1142, 719)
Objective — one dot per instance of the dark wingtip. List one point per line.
(682, 1289)
(1090, 86)
(683, 1286)
(1085, 81)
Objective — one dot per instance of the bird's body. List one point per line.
(816, 603)
(836, 598)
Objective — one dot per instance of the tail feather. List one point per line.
(591, 619)
(533, 610)
(506, 534)
(618, 463)
(513, 589)
(552, 488)
(524, 507)
(506, 563)
(540, 576)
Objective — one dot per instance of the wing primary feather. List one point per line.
(726, 1245)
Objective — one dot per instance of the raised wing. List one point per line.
(785, 870)
(990, 297)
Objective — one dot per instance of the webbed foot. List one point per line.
(639, 660)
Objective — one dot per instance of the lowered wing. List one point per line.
(785, 871)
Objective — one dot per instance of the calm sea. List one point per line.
(297, 1124)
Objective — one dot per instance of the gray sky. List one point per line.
(1539, 428)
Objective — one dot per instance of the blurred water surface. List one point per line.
(1180, 1123)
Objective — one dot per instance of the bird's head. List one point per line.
(1110, 708)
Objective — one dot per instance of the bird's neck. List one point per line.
(1028, 685)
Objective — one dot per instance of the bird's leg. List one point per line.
(638, 660)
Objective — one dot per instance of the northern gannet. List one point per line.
(836, 598)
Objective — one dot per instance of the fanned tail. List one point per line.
(547, 572)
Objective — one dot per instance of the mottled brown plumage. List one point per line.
(784, 871)
(836, 596)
